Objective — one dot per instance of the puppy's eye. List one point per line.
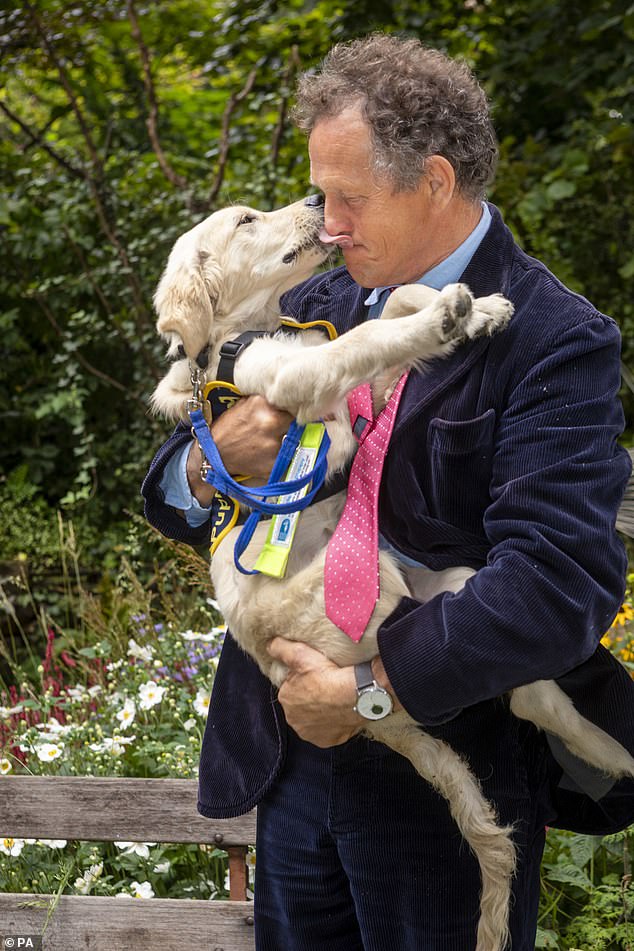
(246, 220)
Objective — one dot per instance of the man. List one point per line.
(503, 458)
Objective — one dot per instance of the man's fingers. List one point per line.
(296, 655)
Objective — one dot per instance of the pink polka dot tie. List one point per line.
(351, 574)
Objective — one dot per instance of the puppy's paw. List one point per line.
(490, 315)
(454, 307)
(278, 673)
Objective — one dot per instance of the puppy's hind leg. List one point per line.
(546, 705)
(491, 843)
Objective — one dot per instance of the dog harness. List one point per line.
(297, 476)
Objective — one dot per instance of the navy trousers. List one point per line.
(355, 852)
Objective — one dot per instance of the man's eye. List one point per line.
(246, 219)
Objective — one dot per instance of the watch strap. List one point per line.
(363, 675)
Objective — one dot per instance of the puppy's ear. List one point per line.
(184, 301)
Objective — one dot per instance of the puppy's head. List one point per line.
(226, 275)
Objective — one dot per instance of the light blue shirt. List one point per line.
(174, 482)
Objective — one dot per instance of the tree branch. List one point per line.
(294, 64)
(230, 108)
(37, 138)
(95, 180)
(67, 86)
(151, 121)
(103, 300)
(48, 313)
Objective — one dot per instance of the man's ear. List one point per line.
(184, 301)
(440, 178)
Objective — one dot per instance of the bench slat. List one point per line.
(109, 809)
(122, 924)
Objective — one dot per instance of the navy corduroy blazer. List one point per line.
(504, 457)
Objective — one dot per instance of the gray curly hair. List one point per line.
(417, 102)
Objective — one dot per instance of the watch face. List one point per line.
(374, 704)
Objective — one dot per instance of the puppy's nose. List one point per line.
(314, 201)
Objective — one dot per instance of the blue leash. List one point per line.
(255, 497)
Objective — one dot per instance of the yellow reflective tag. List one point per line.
(273, 558)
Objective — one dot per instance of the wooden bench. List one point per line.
(138, 810)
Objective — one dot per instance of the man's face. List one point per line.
(392, 233)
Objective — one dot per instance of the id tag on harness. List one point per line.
(273, 557)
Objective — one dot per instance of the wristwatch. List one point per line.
(373, 702)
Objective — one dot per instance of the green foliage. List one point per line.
(123, 125)
(125, 693)
(587, 898)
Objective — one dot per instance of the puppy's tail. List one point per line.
(491, 843)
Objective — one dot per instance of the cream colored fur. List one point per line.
(224, 277)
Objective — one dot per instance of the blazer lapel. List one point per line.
(488, 272)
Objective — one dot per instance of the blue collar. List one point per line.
(447, 272)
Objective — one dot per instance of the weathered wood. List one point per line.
(113, 809)
(139, 810)
(131, 924)
(238, 877)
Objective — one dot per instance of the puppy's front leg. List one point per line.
(310, 383)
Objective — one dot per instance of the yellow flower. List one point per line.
(625, 614)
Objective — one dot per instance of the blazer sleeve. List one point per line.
(162, 516)
(555, 572)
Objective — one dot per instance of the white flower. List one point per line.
(189, 724)
(76, 693)
(54, 726)
(141, 653)
(213, 634)
(94, 690)
(126, 715)
(5, 766)
(49, 751)
(190, 635)
(11, 846)
(114, 745)
(51, 731)
(162, 867)
(151, 694)
(52, 843)
(135, 848)
(142, 890)
(201, 702)
(85, 882)
(214, 604)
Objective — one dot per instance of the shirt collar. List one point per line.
(449, 270)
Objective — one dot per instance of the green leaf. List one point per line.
(561, 189)
(570, 875)
(582, 848)
(545, 938)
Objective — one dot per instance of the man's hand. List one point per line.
(318, 697)
(248, 437)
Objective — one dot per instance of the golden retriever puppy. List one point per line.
(225, 276)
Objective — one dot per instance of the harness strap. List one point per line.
(218, 396)
(255, 497)
(231, 350)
